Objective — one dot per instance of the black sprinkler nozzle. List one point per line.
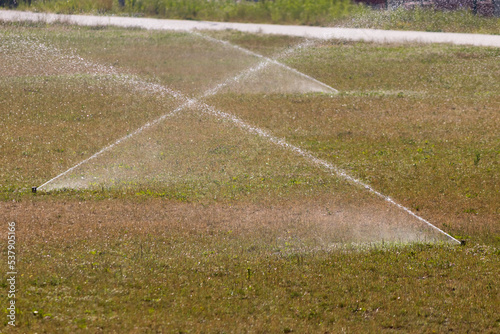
(33, 190)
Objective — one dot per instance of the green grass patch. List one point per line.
(422, 19)
(280, 11)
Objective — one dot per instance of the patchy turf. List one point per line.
(239, 234)
(136, 266)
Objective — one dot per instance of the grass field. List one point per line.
(198, 225)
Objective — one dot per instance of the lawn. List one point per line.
(199, 224)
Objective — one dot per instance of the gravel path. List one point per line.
(374, 35)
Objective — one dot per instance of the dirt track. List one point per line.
(374, 35)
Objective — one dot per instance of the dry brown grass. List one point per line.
(53, 123)
(183, 61)
(399, 125)
(319, 223)
(395, 145)
(157, 265)
(239, 235)
(415, 145)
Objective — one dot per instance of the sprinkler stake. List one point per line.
(33, 190)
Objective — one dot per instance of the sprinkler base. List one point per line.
(33, 190)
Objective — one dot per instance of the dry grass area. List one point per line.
(400, 124)
(53, 123)
(196, 225)
(449, 174)
(156, 265)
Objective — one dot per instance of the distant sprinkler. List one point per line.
(33, 190)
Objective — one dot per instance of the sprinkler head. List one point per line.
(33, 190)
(462, 242)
